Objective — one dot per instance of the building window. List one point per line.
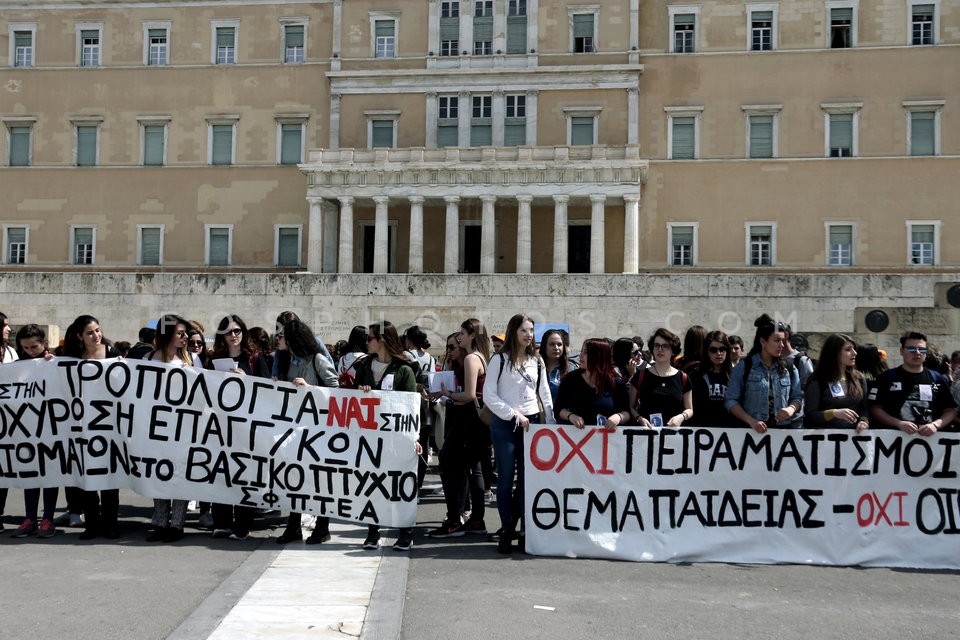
(923, 127)
(219, 245)
(22, 38)
(154, 144)
(294, 37)
(923, 23)
(584, 33)
(762, 28)
(150, 245)
(578, 246)
(583, 130)
(156, 41)
(839, 245)
(683, 29)
(15, 242)
(840, 129)
(290, 142)
(515, 121)
(221, 140)
(683, 132)
(368, 248)
(83, 240)
(449, 28)
(761, 245)
(86, 145)
(90, 46)
(447, 121)
(924, 237)
(761, 135)
(483, 27)
(224, 41)
(385, 38)
(481, 121)
(843, 25)
(19, 145)
(286, 245)
(683, 244)
(516, 26)
(382, 129)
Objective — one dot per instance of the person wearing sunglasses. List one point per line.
(710, 380)
(197, 345)
(910, 397)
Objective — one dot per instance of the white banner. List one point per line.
(172, 432)
(828, 497)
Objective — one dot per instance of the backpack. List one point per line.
(346, 379)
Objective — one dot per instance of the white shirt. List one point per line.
(8, 355)
(510, 391)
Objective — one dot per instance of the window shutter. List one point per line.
(383, 28)
(841, 131)
(86, 146)
(288, 241)
(447, 136)
(922, 233)
(683, 138)
(382, 135)
(581, 130)
(22, 39)
(222, 144)
(684, 19)
(841, 234)
(293, 34)
(483, 29)
(290, 143)
(153, 145)
(225, 37)
(515, 135)
(683, 236)
(156, 34)
(922, 133)
(90, 34)
(516, 34)
(760, 16)
(219, 247)
(150, 246)
(19, 146)
(449, 29)
(843, 13)
(481, 135)
(761, 136)
(923, 10)
(583, 25)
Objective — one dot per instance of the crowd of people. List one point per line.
(501, 385)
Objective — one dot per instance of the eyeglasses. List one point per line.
(718, 349)
(279, 336)
(636, 352)
(234, 332)
(660, 346)
(181, 334)
(921, 350)
(195, 343)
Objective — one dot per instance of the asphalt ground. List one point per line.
(459, 587)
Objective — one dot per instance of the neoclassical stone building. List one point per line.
(482, 136)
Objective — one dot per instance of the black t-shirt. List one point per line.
(576, 396)
(915, 397)
(709, 393)
(663, 395)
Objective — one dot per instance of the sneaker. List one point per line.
(193, 505)
(489, 497)
(505, 545)
(221, 533)
(205, 521)
(372, 541)
(475, 526)
(238, 535)
(76, 520)
(290, 536)
(404, 542)
(46, 529)
(447, 529)
(318, 537)
(25, 530)
(62, 520)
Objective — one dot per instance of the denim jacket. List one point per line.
(755, 393)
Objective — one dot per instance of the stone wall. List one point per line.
(593, 305)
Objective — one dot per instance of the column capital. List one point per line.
(631, 198)
(314, 201)
(633, 91)
(488, 199)
(463, 94)
(432, 95)
(598, 198)
(533, 93)
(524, 198)
(346, 201)
(561, 199)
(381, 200)
(451, 199)
(415, 199)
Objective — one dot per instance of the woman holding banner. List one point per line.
(661, 394)
(514, 391)
(232, 341)
(710, 382)
(302, 363)
(388, 370)
(836, 394)
(100, 511)
(169, 515)
(593, 394)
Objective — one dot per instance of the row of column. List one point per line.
(488, 252)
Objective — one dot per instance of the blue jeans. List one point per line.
(508, 450)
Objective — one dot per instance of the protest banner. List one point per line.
(828, 497)
(177, 432)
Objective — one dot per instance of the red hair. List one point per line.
(600, 364)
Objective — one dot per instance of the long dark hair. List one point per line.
(301, 342)
(766, 327)
(564, 364)
(478, 333)
(387, 333)
(829, 369)
(706, 364)
(622, 352)
(73, 341)
(600, 364)
(26, 332)
(167, 332)
(357, 342)
(417, 337)
(693, 345)
(511, 346)
(220, 348)
(3, 339)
